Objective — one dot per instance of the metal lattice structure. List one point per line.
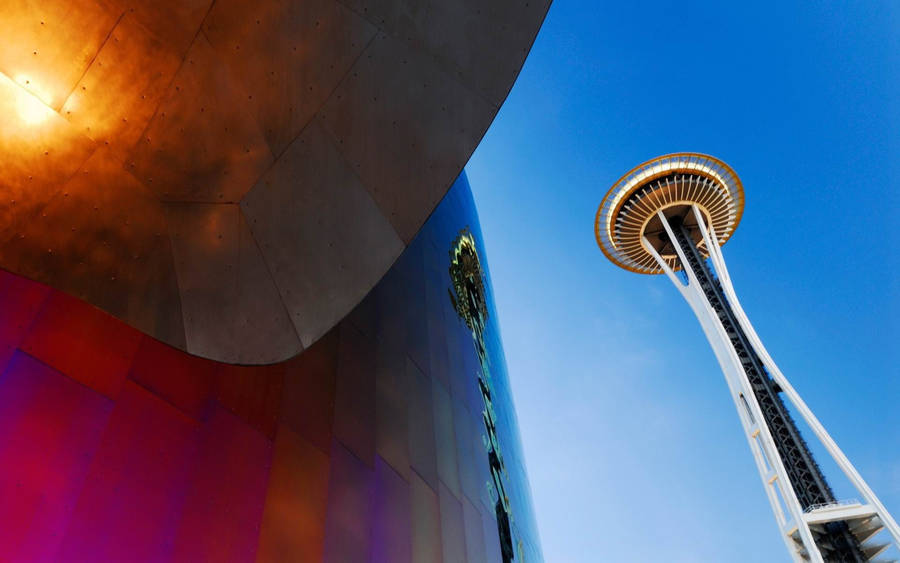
(664, 216)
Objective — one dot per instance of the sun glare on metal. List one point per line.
(28, 103)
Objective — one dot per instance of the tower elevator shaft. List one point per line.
(806, 478)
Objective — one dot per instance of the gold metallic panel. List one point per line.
(117, 96)
(102, 237)
(174, 22)
(194, 101)
(263, 331)
(203, 143)
(46, 46)
(293, 521)
(205, 245)
(274, 50)
(232, 309)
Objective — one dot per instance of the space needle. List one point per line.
(671, 215)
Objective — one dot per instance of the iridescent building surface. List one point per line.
(378, 443)
(226, 326)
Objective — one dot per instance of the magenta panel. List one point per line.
(223, 511)
(348, 522)
(391, 539)
(50, 427)
(135, 490)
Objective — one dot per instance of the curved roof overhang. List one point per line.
(233, 177)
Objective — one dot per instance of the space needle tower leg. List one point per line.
(877, 508)
(730, 342)
(770, 466)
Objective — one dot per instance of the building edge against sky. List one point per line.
(393, 438)
(671, 214)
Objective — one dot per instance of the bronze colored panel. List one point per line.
(44, 151)
(371, 128)
(103, 239)
(118, 94)
(47, 45)
(263, 332)
(300, 213)
(485, 45)
(175, 23)
(202, 145)
(293, 523)
(232, 309)
(40, 149)
(205, 246)
(275, 50)
(395, 104)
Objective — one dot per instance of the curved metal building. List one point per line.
(392, 438)
(243, 314)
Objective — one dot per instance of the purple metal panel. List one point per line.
(348, 525)
(50, 427)
(134, 493)
(391, 540)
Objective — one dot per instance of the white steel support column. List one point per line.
(762, 445)
(818, 429)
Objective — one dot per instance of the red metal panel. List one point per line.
(224, 508)
(253, 393)
(134, 493)
(185, 381)
(293, 527)
(50, 427)
(82, 342)
(20, 300)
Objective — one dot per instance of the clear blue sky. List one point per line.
(633, 446)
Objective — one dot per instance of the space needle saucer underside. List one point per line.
(628, 214)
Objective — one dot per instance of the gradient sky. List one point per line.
(634, 448)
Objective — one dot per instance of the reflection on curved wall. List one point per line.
(391, 439)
